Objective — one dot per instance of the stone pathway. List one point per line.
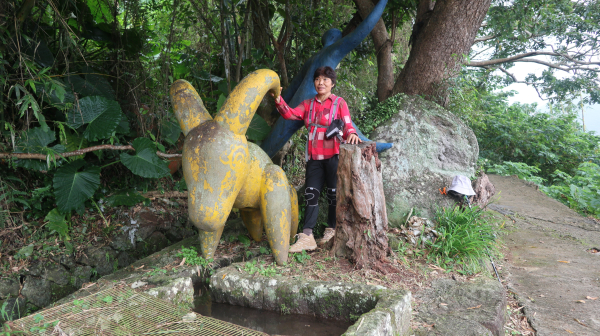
(550, 262)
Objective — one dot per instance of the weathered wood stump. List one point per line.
(361, 215)
(484, 191)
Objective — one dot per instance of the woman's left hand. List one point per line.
(353, 139)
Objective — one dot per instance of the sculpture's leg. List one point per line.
(252, 219)
(209, 241)
(295, 211)
(276, 211)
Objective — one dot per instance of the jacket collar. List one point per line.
(331, 97)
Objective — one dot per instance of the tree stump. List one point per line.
(484, 191)
(361, 223)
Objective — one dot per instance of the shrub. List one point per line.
(465, 237)
(580, 191)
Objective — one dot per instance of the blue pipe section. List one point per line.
(335, 48)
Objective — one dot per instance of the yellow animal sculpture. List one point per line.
(224, 171)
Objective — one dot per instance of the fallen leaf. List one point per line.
(436, 267)
(224, 275)
(182, 262)
(580, 301)
(583, 324)
(570, 332)
(591, 298)
(443, 304)
(475, 307)
(564, 261)
(542, 295)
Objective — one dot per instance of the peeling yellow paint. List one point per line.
(207, 186)
(218, 153)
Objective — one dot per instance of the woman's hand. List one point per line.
(353, 139)
(278, 99)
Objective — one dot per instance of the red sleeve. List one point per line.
(290, 113)
(345, 116)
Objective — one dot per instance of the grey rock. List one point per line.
(9, 287)
(398, 303)
(138, 284)
(324, 299)
(38, 291)
(66, 260)
(469, 308)
(454, 326)
(178, 291)
(58, 274)
(36, 269)
(156, 242)
(81, 275)
(148, 222)
(125, 259)
(374, 323)
(121, 242)
(103, 259)
(14, 308)
(431, 145)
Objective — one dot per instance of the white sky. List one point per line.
(527, 94)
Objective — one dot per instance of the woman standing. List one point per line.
(321, 152)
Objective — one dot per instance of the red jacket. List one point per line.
(321, 148)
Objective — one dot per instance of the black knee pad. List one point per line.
(311, 196)
(331, 198)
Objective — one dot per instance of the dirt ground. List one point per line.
(552, 260)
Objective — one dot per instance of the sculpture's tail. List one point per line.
(187, 105)
(239, 108)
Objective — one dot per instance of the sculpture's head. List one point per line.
(331, 36)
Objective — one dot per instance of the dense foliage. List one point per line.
(83, 75)
(549, 141)
(549, 148)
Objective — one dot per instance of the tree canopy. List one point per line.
(92, 76)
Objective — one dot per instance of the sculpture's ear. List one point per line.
(188, 106)
(241, 104)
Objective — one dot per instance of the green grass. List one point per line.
(466, 238)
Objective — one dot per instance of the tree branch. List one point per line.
(521, 82)
(208, 24)
(38, 156)
(523, 58)
(485, 38)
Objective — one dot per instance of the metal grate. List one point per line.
(123, 311)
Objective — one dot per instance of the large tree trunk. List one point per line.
(383, 48)
(361, 215)
(444, 36)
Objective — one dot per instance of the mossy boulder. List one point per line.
(431, 145)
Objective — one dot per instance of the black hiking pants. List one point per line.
(319, 172)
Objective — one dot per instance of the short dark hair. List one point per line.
(325, 71)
